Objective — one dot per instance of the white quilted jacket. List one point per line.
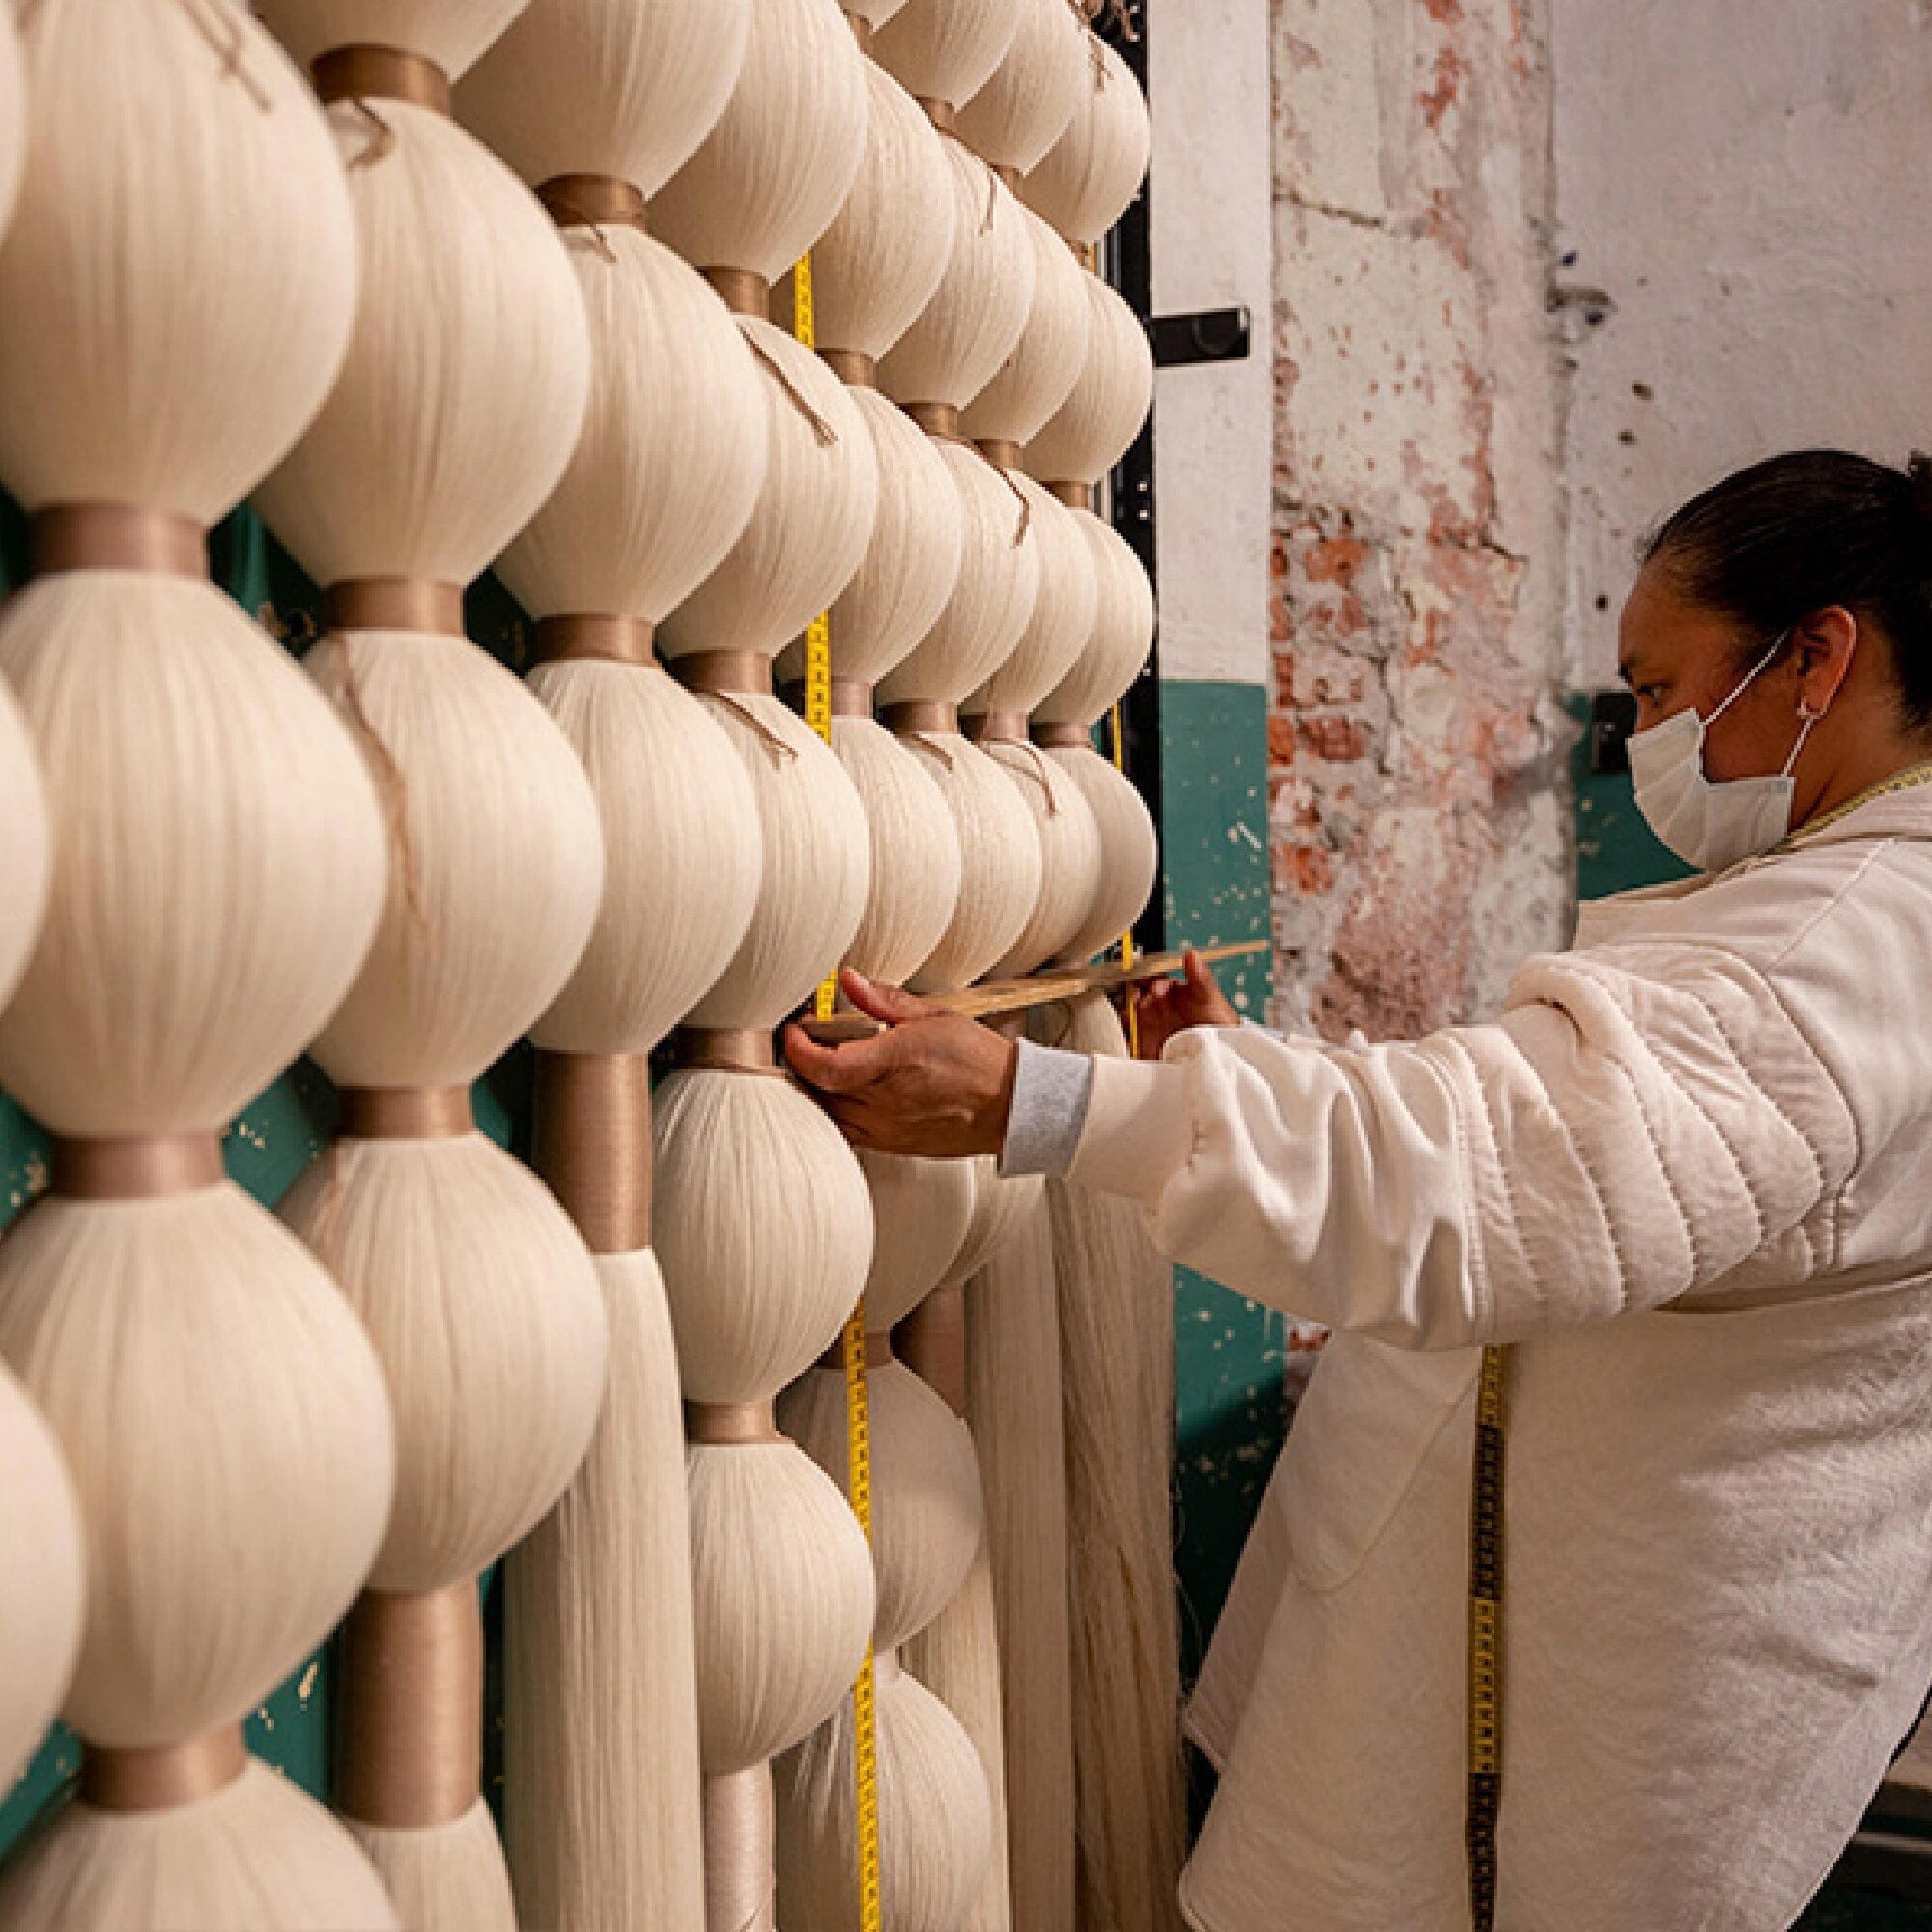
(1690, 1173)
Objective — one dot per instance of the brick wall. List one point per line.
(1417, 744)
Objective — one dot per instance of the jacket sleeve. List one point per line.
(1632, 1130)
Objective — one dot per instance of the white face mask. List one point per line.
(1710, 825)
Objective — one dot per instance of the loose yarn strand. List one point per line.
(230, 48)
(823, 431)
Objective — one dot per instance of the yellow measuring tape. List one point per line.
(1485, 1638)
(857, 1407)
(1127, 937)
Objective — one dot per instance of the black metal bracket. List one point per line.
(1207, 335)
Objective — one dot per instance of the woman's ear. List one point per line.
(1826, 644)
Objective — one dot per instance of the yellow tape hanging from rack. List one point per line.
(1127, 937)
(1486, 1634)
(857, 1407)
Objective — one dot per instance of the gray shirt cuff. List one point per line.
(1051, 1090)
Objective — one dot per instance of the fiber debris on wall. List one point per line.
(1417, 741)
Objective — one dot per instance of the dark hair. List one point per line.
(1799, 533)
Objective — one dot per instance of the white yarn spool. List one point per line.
(812, 521)
(437, 1244)
(438, 441)
(1060, 623)
(1122, 631)
(922, 1211)
(442, 993)
(912, 562)
(1058, 629)
(781, 1590)
(752, 1314)
(168, 724)
(12, 119)
(1000, 863)
(969, 326)
(682, 854)
(451, 33)
(1091, 175)
(23, 893)
(916, 865)
(663, 482)
(935, 1818)
(772, 173)
(926, 1510)
(666, 472)
(166, 174)
(992, 596)
(1129, 850)
(293, 1486)
(956, 1657)
(878, 264)
(935, 1812)
(256, 1853)
(1103, 412)
(817, 866)
(578, 86)
(911, 565)
(1047, 360)
(1034, 92)
(40, 1588)
(944, 50)
(1069, 842)
(218, 865)
(1123, 620)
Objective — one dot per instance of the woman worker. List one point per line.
(1687, 1177)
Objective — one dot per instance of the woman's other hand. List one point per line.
(933, 1083)
(1164, 1008)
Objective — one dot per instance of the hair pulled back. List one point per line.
(1801, 532)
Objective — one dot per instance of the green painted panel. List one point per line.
(1229, 1353)
(270, 1142)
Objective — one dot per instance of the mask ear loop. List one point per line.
(1807, 719)
(1752, 677)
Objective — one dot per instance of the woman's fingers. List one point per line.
(890, 1004)
(836, 1069)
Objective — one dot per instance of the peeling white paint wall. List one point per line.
(1744, 219)
(1208, 85)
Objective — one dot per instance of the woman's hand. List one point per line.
(933, 1083)
(1164, 1008)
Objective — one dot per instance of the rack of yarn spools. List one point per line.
(442, 285)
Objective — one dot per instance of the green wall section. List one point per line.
(267, 1146)
(1617, 850)
(1228, 1350)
